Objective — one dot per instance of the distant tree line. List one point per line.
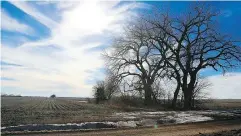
(10, 95)
(160, 47)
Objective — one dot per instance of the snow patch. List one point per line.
(141, 119)
(126, 124)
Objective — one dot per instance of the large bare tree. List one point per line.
(195, 43)
(181, 46)
(134, 57)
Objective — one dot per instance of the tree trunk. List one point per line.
(174, 101)
(187, 99)
(193, 102)
(148, 94)
(148, 100)
(182, 100)
(188, 91)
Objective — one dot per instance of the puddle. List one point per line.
(68, 126)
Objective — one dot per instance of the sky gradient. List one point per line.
(51, 47)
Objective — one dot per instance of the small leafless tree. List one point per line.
(99, 92)
(104, 90)
(199, 92)
(159, 92)
(111, 84)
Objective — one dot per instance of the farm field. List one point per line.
(220, 104)
(42, 113)
(39, 110)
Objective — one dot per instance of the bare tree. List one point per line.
(133, 56)
(99, 91)
(104, 90)
(194, 43)
(111, 84)
(199, 93)
(181, 46)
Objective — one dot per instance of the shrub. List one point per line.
(53, 96)
(128, 100)
(99, 92)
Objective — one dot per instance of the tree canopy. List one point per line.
(178, 48)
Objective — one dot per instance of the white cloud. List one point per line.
(83, 25)
(27, 8)
(86, 19)
(47, 72)
(72, 35)
(66, 5)
(10, 24)
(225, 87)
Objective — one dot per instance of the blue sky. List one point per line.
(55, 46)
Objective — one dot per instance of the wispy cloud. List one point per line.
(29, 9)
(68, 60)
(10, 24)
(227, 13)
(3, 63)
(62, 58)
(6, 78)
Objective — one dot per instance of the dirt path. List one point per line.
(175, 130)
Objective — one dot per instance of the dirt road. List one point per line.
(174, 130)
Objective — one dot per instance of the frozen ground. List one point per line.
(235, 132)
(132, 119)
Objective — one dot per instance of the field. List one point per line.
(222, 104)
(40, 110)
(41, 113)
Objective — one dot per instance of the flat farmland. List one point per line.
(36, 114)
(40, 110)
(222, 104)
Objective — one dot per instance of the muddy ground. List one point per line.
(132, 120)
(193, 129)
(235, 132)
